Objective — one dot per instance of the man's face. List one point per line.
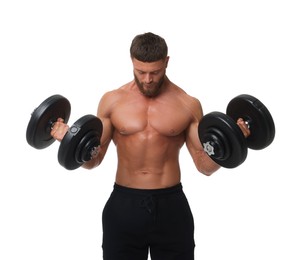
(149, 76)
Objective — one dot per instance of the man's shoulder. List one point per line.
(184, 96)
(190, 104)
(112, 97)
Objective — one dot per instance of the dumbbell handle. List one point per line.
(51, 124)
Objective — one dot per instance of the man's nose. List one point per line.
(148, 78)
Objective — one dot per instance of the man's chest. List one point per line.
(165, 119)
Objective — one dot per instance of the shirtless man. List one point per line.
(149, 119)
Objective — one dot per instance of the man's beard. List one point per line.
(149, 90)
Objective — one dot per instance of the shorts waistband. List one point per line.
(143, 192)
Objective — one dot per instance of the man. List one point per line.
(149, 119)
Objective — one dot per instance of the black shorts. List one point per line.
(158, 221)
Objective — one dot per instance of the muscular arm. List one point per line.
(203, 162)
(103, 114)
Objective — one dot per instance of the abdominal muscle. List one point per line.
(148, 160)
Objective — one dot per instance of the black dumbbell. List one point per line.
(79, 143)
(223, 140)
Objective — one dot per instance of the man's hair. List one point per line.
(148, 47)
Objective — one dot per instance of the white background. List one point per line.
(80, 49)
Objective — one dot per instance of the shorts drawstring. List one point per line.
(148, 203)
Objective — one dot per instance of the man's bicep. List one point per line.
(192, 140)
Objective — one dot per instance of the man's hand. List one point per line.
(244, 127)
(59, 129)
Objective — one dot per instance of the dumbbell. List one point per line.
(223, 140)
(79, 143)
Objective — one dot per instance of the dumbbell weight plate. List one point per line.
(222, 139)
(260, 121)
(82, 136)
(39, 127)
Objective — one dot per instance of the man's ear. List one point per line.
(167, 60)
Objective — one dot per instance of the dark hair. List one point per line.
(148, 47)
